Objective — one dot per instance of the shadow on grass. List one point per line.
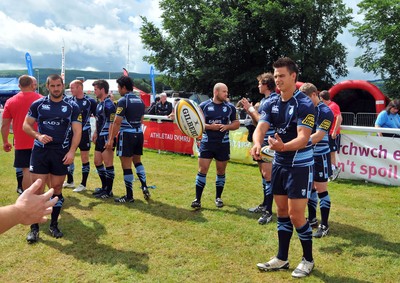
(358, 238)
(84, 245)
(333, 279)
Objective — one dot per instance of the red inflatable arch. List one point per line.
(380, 99)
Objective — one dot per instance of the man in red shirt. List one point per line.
(334, 134)
(15, 111)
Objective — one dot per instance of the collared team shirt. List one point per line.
(323, 122)
(54, 119)
(286, 117)
(224, 113)
(131, 108)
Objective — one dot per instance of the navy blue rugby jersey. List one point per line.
(131, 108)
(323, 122)
(88, 107)
(54, 119)
(263, 103)
(224, 113)
(286, 116)
(105, 114)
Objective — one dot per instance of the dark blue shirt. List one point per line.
(105, 114)
(263, 103)
(323, 122)
(131, 108)
(54, 119)
(223, 113)
(286, 116)
(88, 107)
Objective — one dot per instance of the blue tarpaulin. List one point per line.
(9, 86)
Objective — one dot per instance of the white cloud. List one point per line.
(95, 33)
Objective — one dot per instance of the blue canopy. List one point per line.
(9, 86)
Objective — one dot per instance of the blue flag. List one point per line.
(28, 60)
(153, 87)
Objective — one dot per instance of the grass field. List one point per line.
(164, 240)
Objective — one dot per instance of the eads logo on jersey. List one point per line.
(309, 120)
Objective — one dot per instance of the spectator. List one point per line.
(152, 108)
(389, 118)
(334, 134)
(163, 107)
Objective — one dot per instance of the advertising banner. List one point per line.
(370, 158)
(240, 147)
(167, 137)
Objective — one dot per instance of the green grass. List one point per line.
(165, 241)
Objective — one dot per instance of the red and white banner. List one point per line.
(166, 136)
(370, 158)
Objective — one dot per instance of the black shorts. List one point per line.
(130, 144)
(322, 167)
(22, 158)
(295, 182)
(101, 142)
(84, 145)
(219, 151)
(48, 160)
(334, 144)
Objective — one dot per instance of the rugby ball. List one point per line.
(267, 154)
(189, 118)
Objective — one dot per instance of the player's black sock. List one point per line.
(109, 178)
(305, 236)
(325, 207)
(128, 179)
(85, 173)
(19, 173)
(285, 232)
(312, 205)
(268, 196)
(219, 183)
(56, 209)
(102, 174)
(200, 184)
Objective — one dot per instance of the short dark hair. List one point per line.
(126, 82)
(288, 63)
(54, 77)
(325, 95)
(25, 81)
(102, 84)
(268, 80)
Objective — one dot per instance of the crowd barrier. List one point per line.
(362, 156)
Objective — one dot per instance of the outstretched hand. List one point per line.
(33, 208)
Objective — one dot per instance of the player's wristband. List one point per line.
(252, 109)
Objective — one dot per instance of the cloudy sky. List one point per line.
(95, 34)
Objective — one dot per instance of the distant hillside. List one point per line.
(71, 74)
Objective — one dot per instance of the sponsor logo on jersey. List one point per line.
(210, 108)
(309, 120)
(46, 107)
(119, 110)
(325, 124)
(275, 109)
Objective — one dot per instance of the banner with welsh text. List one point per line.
(167, 137)
(370, 158)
